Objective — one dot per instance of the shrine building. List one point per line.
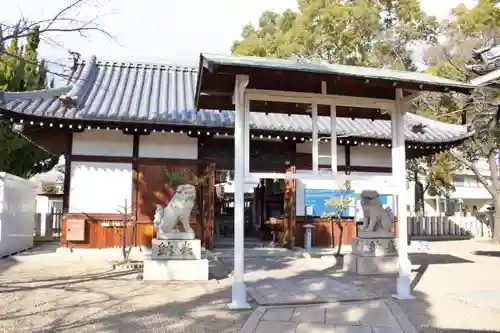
(130, 132)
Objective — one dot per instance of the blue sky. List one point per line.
(160, 31)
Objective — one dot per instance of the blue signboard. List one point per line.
(315, 200)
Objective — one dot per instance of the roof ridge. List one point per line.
(133, 63)
(83, 81)
(7, 96)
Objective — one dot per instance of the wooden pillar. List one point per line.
(208, 206)
(290, 208)
(66, 188)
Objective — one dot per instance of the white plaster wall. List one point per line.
(103, 143)
(99, 187)
(376, 156)
(357, 185)
(168, 145)
(324, 149)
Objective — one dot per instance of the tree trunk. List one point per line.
(341, 234)
(495, 225)
(124, 239)
(332, 236)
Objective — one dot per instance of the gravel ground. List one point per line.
(84, 297)
(457, 290)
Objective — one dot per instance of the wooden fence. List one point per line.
(47, 226)
(447, 226)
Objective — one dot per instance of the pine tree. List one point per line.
(13, 71)
(41, 77)
(31, 77)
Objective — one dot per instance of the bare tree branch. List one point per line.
(62, 22)
(461, 159)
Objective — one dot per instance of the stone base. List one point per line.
(374, 247)
(175, 270)
(372, 256)
(176, 235)
(168, 249)
(370, 265)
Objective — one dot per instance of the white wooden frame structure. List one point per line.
(397, 180)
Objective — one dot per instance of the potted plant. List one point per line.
(339, 204)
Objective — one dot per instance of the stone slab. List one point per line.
(374, 247)
(299, 291)
(178, 249)
(370, 265)
(380, 316)
(175, 270)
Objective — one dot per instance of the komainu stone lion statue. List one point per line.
(376, 219)
(178, 210)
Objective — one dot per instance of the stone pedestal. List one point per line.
(372, 256)
(176, 260)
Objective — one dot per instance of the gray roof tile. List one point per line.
(325, 68)
(163, 94)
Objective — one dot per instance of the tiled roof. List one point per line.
(324, 68)
(163, 94)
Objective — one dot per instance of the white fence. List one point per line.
(452, 226)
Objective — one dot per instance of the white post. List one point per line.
(315, 145)
(247, 134)
(333, 139)
(399, 174)
(239, 293)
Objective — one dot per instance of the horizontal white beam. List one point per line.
(311, 98)
(256, 176)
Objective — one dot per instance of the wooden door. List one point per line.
(289, 208)
(208, 195)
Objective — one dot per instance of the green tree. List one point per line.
(339, 203)
(431, 174)
(467, 29)
(345, 32)
(21, 71)
(30, 57)
(13, 66)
